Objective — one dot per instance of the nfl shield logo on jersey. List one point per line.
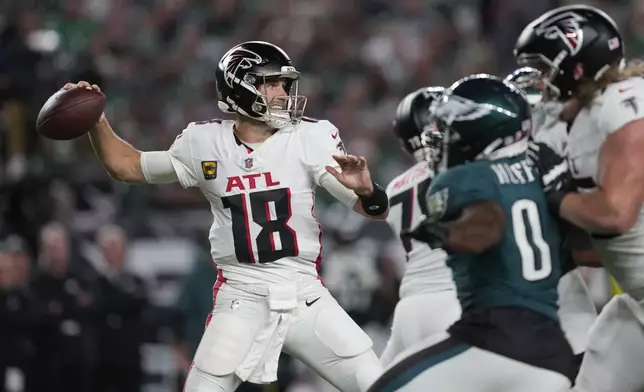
(248, 162)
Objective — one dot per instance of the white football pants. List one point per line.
(577, 310)
(444, 364)
(321, 335)
(614, 359)
(418, 317)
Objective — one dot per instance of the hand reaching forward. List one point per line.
(354, 174)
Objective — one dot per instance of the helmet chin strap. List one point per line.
(276, 123)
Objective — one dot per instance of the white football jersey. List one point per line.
(426, 269)
(548, 128)
(262, 201)
(619, 104)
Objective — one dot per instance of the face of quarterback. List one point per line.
(274, 87)
(276, 93)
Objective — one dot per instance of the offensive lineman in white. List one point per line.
(259, 174)
(577, 311)
(428, 302)
(580, 53)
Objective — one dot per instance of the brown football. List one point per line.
(69, 114)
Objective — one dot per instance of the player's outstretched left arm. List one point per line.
(354, 174)
(615, 205)
(480, 226)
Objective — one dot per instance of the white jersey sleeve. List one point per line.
(620, 104)
(157, 167)
(322, 143)
(181, 157)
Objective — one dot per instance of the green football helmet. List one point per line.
(482, 117)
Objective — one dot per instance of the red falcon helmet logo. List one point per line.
(566, 27)
(239, 59)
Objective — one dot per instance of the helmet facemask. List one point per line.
(439, 162)
(450, 152)
(281, 110)
(529, 80)
(431, 143)
(548, 72)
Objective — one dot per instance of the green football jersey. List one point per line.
(524, 268)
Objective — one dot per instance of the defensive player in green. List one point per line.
(487, 209)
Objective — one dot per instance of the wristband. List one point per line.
(377, 203)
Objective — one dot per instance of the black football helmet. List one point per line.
(559, 40)
(241, 72)
(527, 78)
(414, 126)
(482, 117)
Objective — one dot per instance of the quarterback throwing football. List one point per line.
(259, 174)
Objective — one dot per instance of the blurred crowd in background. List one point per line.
(105, 286)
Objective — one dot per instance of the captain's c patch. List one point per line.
(209, 169)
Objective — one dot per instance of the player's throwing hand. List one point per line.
(354, 174)
(81, 84)
(85, 85)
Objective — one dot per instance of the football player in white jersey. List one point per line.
(580, 54)
(259, 173)
(428, 302)
(577, 311)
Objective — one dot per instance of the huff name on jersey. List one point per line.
(514, 173)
